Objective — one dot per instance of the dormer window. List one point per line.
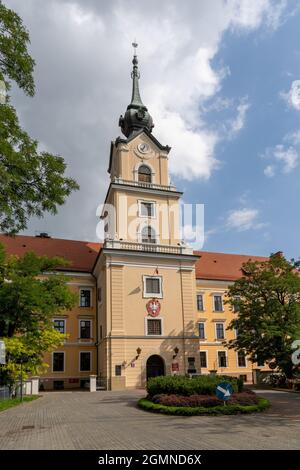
(144, 174)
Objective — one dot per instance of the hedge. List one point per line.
(198, 385)
(148, 405)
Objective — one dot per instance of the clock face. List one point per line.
(143, 148)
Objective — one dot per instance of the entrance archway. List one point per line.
(155, 366)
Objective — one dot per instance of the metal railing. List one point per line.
(143, 184)
(148, 247)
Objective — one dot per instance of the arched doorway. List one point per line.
(155, 366)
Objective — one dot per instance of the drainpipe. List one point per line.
(97, 326)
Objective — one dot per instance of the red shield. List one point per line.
(153, 307)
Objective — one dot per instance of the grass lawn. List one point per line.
(10, 402)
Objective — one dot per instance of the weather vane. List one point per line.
(134, 45)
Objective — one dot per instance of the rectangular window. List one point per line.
(85, 329)
(58, 364)
(236, 307)
(101, 333)
(85, 361)
(152, 286)
(191, 365)
(154, 327)
(200, 305)
(218, 303)
(219, 330)
(243, 378)
(222, 359)
(201, 330)
(118, 370)
(59, 325)
(203, 359)
(85, 297)
(147, 209)
(260, 362)
(241, 359)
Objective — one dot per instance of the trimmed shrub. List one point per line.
(148, 405)
(185, 386)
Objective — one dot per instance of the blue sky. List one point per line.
(262, 64)
(220, 80)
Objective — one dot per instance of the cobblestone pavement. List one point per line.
(110, 420)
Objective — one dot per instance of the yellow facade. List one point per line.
(148, 313)
(70, 374)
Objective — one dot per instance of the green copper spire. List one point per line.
(137, 116)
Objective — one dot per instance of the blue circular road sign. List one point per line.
(224, 391)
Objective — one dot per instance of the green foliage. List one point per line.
(28, 297)
(268, 299)
(31, 293)
(181, 385)
(9, 403)
(15, 61)
(31, 182)
(25, 353)
(148, 405)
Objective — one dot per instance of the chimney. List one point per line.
(43, 235)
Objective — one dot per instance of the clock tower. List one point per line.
(145, 273)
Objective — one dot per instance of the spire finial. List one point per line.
(136, 116)
(134, 45)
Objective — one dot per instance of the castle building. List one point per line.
(148, 305)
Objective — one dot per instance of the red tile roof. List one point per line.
(82, 255)
(221, 266)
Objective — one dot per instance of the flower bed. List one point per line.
(181, 395)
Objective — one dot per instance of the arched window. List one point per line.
(148, 235)
(144, 174)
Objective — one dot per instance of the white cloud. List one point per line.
(243, 219)
(269, 171)
(293, 138)
(239, 122)
(83, 51)
(292, 97)
(288, 156)
(284, 160)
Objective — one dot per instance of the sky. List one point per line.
(221, 80)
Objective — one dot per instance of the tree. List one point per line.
(31, 293)
(267, 301)
(31, 182)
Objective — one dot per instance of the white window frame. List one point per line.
(52, 362)
(79, 328)
(147, 295)
(206, 354)
(226, 355)
(203, 322)
(60, 319)
(202, 294)
(136, 172)
(91, 296)
(91, 358)
(140, 202)
(140, 235)
(220, 323)
(218, 295)
(237, 361)
(162, 326)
